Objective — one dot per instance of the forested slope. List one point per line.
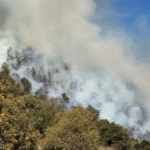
(30, 122)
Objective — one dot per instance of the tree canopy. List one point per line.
(74, 130)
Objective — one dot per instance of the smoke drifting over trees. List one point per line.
(58, 79)
(71, 57)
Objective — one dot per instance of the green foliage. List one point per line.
(5, 69)
(74, 130)
(65, 97)
(8, 86)
(43, 97)
(114, 135)
(134, 142)
(42, 112)
(94, 111)
(144, 144)
(26, 84)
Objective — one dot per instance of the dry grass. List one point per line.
(105, 148)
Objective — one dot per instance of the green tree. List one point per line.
(41, 111)
(5, 69)
(94, 111)
(65, 97)
(144, 144)
(74, 130)
(26, 84)
(114, 135)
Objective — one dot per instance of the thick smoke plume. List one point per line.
(75, 59)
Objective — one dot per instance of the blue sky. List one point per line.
(130, 16)
(123, 12)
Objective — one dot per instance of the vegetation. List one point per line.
(30, 122)
(26, 84)
(94, 111)
(23, 117)
(144, 144)
(16, 129)
(5, 69)
(74, 130)
(114, 135)
(65, 97)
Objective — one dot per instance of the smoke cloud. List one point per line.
(100, 74)
(1, 16)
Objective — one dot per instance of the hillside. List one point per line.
(29, 122)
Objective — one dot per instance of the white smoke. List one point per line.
(100, 73)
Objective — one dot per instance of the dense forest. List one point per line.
(29, 122)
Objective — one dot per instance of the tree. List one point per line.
(65, 97)
(10, 54)
(33, 73)
(144, 144)
(49, 78)
(26, 84)
(19, 59)
(28, 54)
(5, 69)
(94, 111)
(40, 112)
(74, 130)
(16, 129)
(114, 135)
(22, 116)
